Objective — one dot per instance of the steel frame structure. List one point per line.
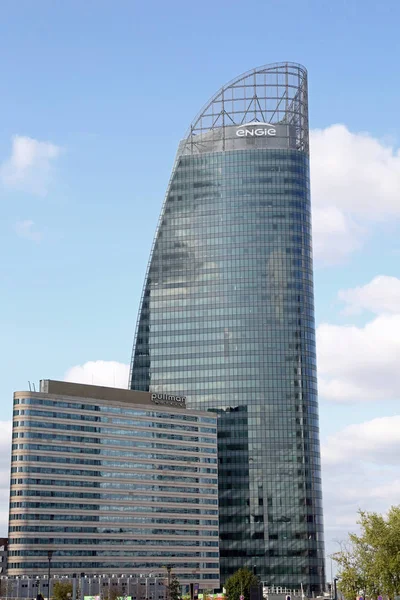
(275, 93)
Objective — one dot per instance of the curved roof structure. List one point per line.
(272, 94)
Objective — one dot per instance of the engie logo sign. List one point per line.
(256, 130)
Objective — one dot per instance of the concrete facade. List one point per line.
(112, 482)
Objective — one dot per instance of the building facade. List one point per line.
(89, 587)
(227, 318)
(112, 481)
(3, 555)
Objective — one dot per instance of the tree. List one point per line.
(174, 589)
(351, 578)
(370, 562)
(239, 584)
(116, 592)
(61, 590)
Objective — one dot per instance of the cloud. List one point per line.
(29, 166)
(360, 363)
(335, 235)
(5, 453)
(360, 470)
(25, 229)
(100, 372)
(355, 182)
(381, 295)
(376, 441)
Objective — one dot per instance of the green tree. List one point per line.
(116, 592)
(370, 562)
(174, 590)
(350, 573)
(61, 590)
(239, 584)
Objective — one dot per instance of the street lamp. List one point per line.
(49, 556)
(335, 588)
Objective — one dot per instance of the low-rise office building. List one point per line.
(95, 587)
(3, 555)
(112, 481)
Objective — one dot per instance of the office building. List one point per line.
(112, 481)
(3, 555)
(227, 318)
(91, 587)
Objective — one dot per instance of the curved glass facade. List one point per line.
(227, 319)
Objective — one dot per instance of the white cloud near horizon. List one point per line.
(100, 372)
(376, 441)
(355, 183)
(360, 469)
(29, 168)
(360, 363)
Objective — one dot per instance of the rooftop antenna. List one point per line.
(29, 383)
(34, 388)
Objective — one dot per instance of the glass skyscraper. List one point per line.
(227, 318)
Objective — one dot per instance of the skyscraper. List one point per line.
(227, 317)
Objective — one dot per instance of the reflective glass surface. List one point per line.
(138, 484)
(227, 319)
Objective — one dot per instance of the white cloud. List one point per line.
(26, 229)
(381, 295)
(360, 470)
(100, 372)
(29, 166)
(335, 235)
(376, 441)
(360, 363)
(355, 182)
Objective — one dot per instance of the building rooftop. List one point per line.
(108, 394)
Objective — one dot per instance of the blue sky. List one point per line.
(95, 96)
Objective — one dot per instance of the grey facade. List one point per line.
(103, 586)
(227, 318)
(3, 555)
(112, 481)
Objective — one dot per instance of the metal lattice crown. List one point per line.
(275, 93)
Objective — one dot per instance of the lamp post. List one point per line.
(49, 556)
(155, 593)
